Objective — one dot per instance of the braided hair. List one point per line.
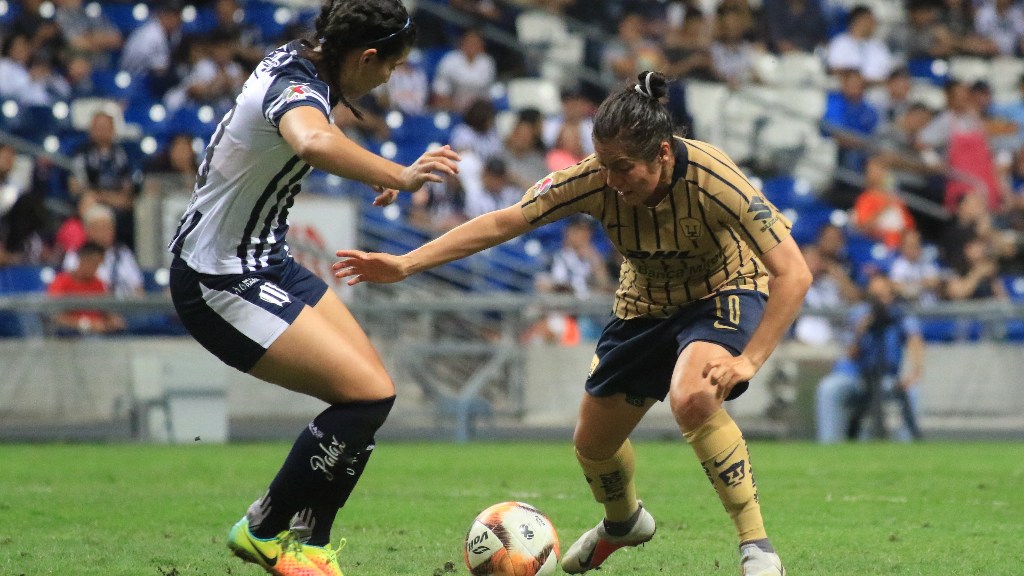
(636, 117)
(344, 25)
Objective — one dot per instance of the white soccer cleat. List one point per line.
(596, 544)
(757, 562)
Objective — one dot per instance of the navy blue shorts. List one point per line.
(238, 316)
(636, 357)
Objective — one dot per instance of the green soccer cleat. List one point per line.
(325, 558)
(281, 555)
(757, 562)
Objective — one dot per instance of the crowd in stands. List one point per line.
(929, 165)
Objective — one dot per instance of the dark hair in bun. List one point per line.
(636, 117)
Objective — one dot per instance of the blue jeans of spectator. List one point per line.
(837, 391)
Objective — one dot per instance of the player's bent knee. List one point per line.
(691, 409)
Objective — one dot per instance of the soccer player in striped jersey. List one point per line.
(240, 293)
(692, 318)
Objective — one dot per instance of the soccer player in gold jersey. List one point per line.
(693, 320)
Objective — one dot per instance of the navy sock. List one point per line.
(321, 471)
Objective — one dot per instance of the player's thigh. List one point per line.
(334, 363)
(691, 395)
(340, 317)
(605, 422)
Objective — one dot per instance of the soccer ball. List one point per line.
(512, 539)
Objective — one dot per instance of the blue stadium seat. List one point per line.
(1014, 287)
(936, 72)
(24, 279)
(950, 330)
(263, 15)
(122, 15)
(811, 217)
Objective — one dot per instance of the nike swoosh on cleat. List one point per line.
(271, 561)
(586, 561)
(721, 326)
(726, 459)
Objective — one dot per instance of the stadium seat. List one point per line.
(1005, 78)
(1014, 287)
(534, 93)
(932, 70)
(969, 69)
(950, 330)
(270, 18)
(24, 279)
(126, 16)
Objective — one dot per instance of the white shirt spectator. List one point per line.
(1006, 29)
(408, 89)
(204, 72)
(462, 80)
(911, 276)
(478, 199)
(870, 56)
(148, 48)
(18, 84)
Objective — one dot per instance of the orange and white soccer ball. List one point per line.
(512, 539)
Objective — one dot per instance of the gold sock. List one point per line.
(611, 481)
(722, 452)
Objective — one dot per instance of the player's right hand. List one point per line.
(359, 266)
(429, 168)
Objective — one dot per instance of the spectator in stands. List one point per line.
(688, 48)
(831, 243)
(70, 234)
(1001, 132)
(568, 149)
(88, 33)
(893, 99)
(524, 150)
(494, 189)
(958, 17)
(408, 89)
(24, 74)
(23, 217)
(477, 133)
(250, 46)
(732, 55)
(101, 167)
(915, 272)
(1002, 22)
(879, 212)
(831, 289)
(629, 51)
(970, 221)
(119, 271)
(858, 49)
(149, 50)
(977, 275)
(577, 268)
(439, 206)
(879, 333)
(793, 25)
(924, 35)
(84, 281)
(577, 110)
(957, 138)
(45, 36)
(78, 76)
(464, 75)
(215, 79)
(178, 160)
(850, 120)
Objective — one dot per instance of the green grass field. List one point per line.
(929, 509)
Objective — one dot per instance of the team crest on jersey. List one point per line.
(691, 228)
(541, 188)
(296, 92)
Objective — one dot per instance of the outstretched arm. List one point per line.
(478, 234)
(324, 146)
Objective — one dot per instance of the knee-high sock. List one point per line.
(321, 470)
(611, 481)
(722, 452)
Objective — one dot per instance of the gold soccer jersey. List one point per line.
(703, 237)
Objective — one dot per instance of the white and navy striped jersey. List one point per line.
(238, 215)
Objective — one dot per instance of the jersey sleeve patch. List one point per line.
(541, 188)
(294, 85)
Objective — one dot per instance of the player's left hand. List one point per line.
(385, 196)
(726, 372)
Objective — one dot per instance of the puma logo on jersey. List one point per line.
(273, 294)
(760, 210)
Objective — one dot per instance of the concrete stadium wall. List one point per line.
(49, 384)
